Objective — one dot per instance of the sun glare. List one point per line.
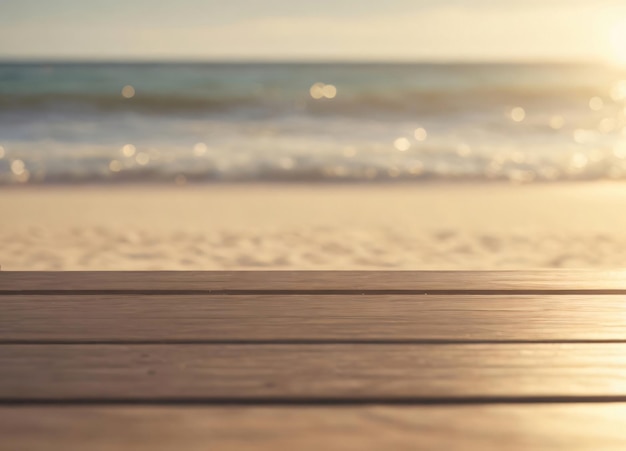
(618, 42)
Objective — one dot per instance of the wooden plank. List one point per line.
(301, 281)
(354, 318)
(510, 427)
(307, 373)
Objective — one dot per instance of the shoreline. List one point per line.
(367, 184)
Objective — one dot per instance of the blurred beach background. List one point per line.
(330, 136)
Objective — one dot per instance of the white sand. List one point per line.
(424, 226)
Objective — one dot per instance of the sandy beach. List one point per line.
(402, 226)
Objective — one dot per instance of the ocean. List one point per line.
(77, 123)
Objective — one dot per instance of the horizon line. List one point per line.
(246, 60)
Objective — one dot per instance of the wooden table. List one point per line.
(518, 360)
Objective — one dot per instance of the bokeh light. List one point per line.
(115, 166)
(329, 91)
(557, 122)
(128, 150)
(18, 167)
(596, 103)
(420, 134)
(142, 158)
(517, 114)
(128, 92)
(200, 149)
(402, 144)
(618, 91)
(317, 91)
(322, 90)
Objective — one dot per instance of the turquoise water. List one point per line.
(177, 123)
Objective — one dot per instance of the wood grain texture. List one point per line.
(354, 318)
(304, 373)
(389, 281)
(350, 341)
(571, 427)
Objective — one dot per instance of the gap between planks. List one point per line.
(321, 282)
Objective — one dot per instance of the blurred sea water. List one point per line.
(240, 122)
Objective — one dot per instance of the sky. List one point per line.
(433, 30)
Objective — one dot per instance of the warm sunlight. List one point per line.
(618, 42)
(443, 182)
